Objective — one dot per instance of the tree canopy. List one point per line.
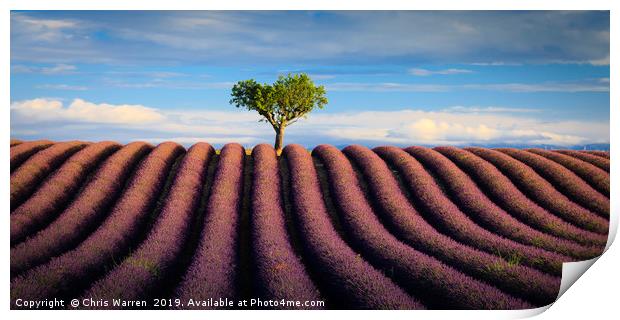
(282, 103)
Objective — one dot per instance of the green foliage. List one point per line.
(290, 98)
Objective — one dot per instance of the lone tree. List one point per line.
(282, 103)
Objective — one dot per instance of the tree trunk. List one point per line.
(279, 140)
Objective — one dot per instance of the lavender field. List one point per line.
(143, 226)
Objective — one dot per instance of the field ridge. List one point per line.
(357, 228)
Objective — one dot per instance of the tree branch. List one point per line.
(292, 121)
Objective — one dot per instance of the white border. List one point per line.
(593, 296)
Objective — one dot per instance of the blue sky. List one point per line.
(399, 77)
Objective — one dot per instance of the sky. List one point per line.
(392, 77)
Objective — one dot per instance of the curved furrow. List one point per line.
(409, 226)
(600, 162)
(553, 176)
(602, 154)
(438, 285)
(542, 192)
(447, 218)
(66, 275)
(593, 175)
(245, 277)
(466, 194)
(289, 220)
(56, 191)
(213, 272)
(140, 275)
(26, 178)
(347, 279)
(23, 151)
(83, 215)
(508, 196)
(15, 142)
(278, 270)
(179, 267)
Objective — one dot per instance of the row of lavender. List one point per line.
(384, 229)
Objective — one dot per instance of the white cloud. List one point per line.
(149, 74)
(585, 86)
(494, 64)
(540, 87)
(322, 76)
(600, 62)
(60, 68)
(386, 87)
(491, 109)
(332, 37)
(62, 87)
(453, 125)
(47, 30)
(165, 82)
(408, 127)
(427, 129)
(21, 69)
(48, 24)
(424, 72)
(81, 118)
(41, 110)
